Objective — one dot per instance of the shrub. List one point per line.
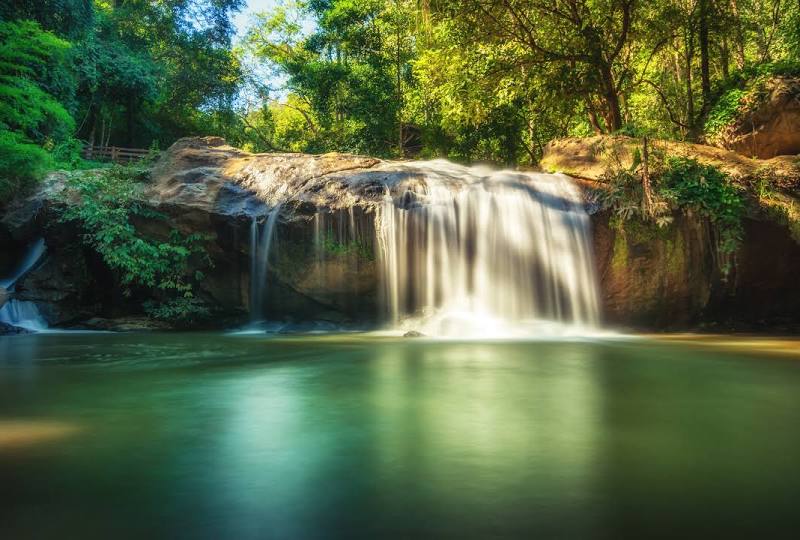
(104, 202)
(708, 191)
(625, 193)
(677, 184)
(21, 164)
(181, 310)
(725, 112)
(741, 92)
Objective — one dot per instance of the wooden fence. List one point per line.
(114, 153)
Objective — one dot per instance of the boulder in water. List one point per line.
(11, 330)
(122, 324)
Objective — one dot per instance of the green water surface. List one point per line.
(238, 437)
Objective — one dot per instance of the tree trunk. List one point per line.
(647, 188)
(688, 57)
(593, 120)
(130, 114)
(740, 58)
(705, 75)
(725, 58)
(613, 114)
(399, 69)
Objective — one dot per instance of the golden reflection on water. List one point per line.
(779, 346)
(16, 434)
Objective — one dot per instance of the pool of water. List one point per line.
(222, 436)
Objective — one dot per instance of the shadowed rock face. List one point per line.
(204, 186)
(669, 278)
(771, 127)
(324, 262)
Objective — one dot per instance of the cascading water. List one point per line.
(23, 315)
(20, 313)
(471, 252)
(261, 240)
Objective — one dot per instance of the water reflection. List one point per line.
(316, 438)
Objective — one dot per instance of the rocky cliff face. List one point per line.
(769, 124)
(668, 277)
(323, 264)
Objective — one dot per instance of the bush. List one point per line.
(707, 191)
(725, 112)
(741, 92)
(181, 310)
(104, 202)
(677, 184)
(21, 165)
(625, 193)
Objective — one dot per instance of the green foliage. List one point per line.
(625, 193)
(709, 192)
(25, 106)
(31, 119)
(182, 310)
(21, 165)
(492, 80)
(68, 18)
(354, 247)
(727, 109)
(347, 80)
(677, 184)
(136, 71)
(742, 91)
(105, 204)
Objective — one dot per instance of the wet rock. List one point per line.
(324, 261)
(669, 277)
(24, 218)
(4, 296)
(10, 330)
(122, 324)
(413, 334)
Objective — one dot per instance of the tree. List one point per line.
(26, 51)
(28, 113)
(590, 37)
(69, 19)
(353, 70)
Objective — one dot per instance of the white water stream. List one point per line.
(20, 313)
(474, 252)
(467, 252)
(261, 239)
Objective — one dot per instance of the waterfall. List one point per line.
(20, 313)
(33, 253)
(23, 315)
(261, 240)
(467, 251)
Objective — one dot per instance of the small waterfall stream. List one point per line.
(261, 240)
(23, 314)
(468, 251)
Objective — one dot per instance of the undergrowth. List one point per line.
(741, 93)
(104, 204)
(677, 184)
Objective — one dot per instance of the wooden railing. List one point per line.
(114, 153)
